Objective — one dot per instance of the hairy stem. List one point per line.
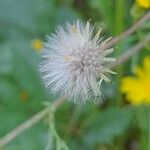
(131, 51)
(129, 31)
(29, 123)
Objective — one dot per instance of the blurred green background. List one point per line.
(112, 125)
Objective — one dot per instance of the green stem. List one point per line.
(60, 144)
(119, 16)
(119, 25)
(73, 120)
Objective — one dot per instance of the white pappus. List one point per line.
(74, 62)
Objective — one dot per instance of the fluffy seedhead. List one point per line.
(74, 62)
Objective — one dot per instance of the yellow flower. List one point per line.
(36, 44)
(137, 88)
(143, 3)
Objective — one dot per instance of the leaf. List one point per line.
(110, 124)
(101, 6)
(21, 76)
(25, 14)
(32, 18)
(6, 60)
(33, 139)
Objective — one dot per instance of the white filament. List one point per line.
(74, 62)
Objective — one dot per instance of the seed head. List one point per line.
(74, 62)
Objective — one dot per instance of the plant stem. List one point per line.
(129, 31)
(119, 25)
(60, 144)
(131, 51)
(28, 123)
(74, 119)
(119, 16)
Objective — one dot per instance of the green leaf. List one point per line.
(25, 15)
(33, 139)
(101, 6)
(105, 127)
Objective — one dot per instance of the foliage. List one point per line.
(22, 94)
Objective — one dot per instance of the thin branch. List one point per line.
(74, 119)
(131, 51)
(37, 117)
(29, 123)
(129, 31)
